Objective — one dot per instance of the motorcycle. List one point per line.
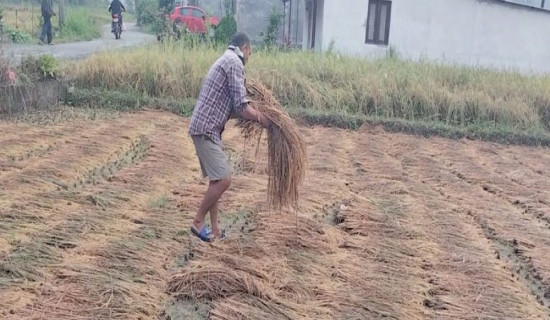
(116, 26)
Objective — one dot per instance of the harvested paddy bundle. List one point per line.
(287, 154)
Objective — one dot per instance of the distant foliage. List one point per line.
(272, 34)
(225, 30)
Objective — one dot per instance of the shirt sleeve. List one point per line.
(237, 88)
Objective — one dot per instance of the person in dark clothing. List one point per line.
(117, 7)
(47, 13)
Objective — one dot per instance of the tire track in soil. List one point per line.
(77, 154)
(30, 208)
(536, 159)
(22, 144)
(530, 266)
(509, 251)
(68, 167)
(390, 185)
(48, 246)
(28, 264)
(518, 185)
(129, 261)
(506, 250)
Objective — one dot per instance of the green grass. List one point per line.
(80, 25)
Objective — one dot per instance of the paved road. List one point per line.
(132, 37)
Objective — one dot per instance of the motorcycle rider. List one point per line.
(117, 7)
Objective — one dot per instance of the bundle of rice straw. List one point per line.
(287, 154)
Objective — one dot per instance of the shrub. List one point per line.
(17, 36)
(272, 33)
(146, 11)
(225, 30)
(80, 25)
(36, 68)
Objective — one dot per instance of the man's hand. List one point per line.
(252, 114)
(264, 120)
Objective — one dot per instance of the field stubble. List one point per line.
(389, 226)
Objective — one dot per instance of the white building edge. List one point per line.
(502, 34)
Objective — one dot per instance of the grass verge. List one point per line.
(386, 88)
(125, 101)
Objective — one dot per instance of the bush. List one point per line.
(37, 68)
(146, 11)
(273, 26)
(48, 65)
(17, 36)
(225, 30)
(79, 25)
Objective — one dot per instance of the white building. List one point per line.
(506, 34)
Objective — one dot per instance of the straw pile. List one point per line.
(287, 155)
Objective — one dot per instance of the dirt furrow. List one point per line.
(501, 175)
(463, 200)
(128, 251)
(48, 208)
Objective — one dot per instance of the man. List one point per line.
(116, 7)
(222, 95)
(47, 13)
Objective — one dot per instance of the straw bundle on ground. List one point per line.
(287, 155)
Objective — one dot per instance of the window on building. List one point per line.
(378, 22)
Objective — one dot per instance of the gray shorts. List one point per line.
(213, 160)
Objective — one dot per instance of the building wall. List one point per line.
(489, 33)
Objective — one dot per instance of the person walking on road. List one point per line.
(47, 14)
(222, 95)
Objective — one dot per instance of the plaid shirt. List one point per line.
(223, 94)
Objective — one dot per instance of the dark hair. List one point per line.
(240, 39)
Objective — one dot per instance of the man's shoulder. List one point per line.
(229, 59)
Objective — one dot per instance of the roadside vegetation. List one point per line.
(330, 86)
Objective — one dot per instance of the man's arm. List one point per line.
(52, 13)
(252, 114)
(122, 6)
(237, 89)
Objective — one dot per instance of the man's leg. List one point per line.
(214, 220)
(210, 203)
(48, 24)
(43, 34)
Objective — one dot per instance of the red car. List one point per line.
(193, 18)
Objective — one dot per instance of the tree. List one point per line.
(272, 33)
(228, 25)
(62, 13)
(230, 7)
(166, 5)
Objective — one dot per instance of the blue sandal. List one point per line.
(204, 234)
